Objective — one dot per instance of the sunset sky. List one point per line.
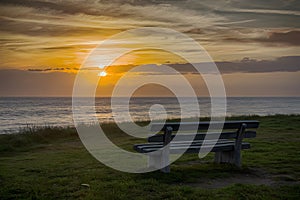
(255, 44)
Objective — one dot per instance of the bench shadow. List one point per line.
(208, 175)
(190, 173)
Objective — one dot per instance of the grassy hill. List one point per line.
(51, 163)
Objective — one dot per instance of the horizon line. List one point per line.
(34, 96)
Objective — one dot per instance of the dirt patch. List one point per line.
(255, 177)
(235, 179)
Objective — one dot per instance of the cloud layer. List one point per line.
(61, 33)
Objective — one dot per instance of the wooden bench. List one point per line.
(227, 145)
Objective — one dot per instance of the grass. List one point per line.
(51, 163)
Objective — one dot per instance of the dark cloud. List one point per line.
(194, 31)
(49, 69)
(289, 38)
(246, 65)
(282, 64)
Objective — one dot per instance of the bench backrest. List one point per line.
(235, 126)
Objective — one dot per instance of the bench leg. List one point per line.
(224, 157)
(238, 158)
(154, 160)
(232, 157)
(158, 159)
(165, 162)
(238, 146)
(161, 158)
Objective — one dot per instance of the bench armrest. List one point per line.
(167, 135)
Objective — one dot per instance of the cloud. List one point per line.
(48, 29)
(289, 38)
(54, 69)
(42, 32)
(194, 31)
(269, 38)
(247, 65)
(266, 11)
(281, 64)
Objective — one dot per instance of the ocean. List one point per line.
(19, 112)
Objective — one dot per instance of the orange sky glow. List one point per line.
(43, 44)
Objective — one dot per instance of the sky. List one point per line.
(255, 44)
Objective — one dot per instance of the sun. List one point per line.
(103, 73)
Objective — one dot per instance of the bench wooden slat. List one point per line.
(185, 126)
(194, 148)
(182, 143)
(201, 136)
(178, 144)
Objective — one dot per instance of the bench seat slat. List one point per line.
(193, 148)
(201, 136)
(204, 125)
(180, 143)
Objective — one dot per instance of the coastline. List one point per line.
(31, 128)
(22, 112)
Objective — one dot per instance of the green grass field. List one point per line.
(51, 163)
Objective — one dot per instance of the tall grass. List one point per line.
(31, 136)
